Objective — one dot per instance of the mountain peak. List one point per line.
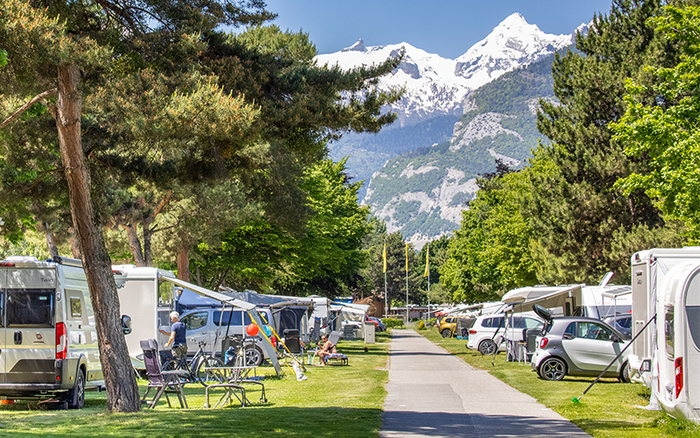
(359, 46)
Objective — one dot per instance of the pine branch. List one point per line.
(27, 105)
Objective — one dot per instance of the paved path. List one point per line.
(435, 394)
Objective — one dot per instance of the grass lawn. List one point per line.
(335, 401)
(607, 410)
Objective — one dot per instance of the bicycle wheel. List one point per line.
(207, 377)
(172, 364)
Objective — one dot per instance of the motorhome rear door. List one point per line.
(29, 300)
(692, 341)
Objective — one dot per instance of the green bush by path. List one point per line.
(608, 410)
(393, 322)
(335, 401)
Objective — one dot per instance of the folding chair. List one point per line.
(163, 381)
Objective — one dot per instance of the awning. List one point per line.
(546, 296)
(211, 294)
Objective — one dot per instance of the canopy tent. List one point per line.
(226, 300)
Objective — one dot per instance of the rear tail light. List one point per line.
(472, 332)
(543, 342)
(61, 341)
(679, 376)
(7, 264)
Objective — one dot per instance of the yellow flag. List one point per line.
(384, 256)
(427, 262)
(406, 257)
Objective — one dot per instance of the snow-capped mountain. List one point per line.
(438, 86)
(513, 43)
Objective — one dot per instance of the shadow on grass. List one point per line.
(254, 421)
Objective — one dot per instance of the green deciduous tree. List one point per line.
(666, 132)
(490, 254)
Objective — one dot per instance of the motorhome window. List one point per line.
(165, 293)
(236, 318)
(693, 319)
(76, 308)
(30, 307)
(668, 328)
(195, 321)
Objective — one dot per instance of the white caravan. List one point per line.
(677, 387)
(649, 270)
(48, 341)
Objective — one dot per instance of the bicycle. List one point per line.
(197, 366)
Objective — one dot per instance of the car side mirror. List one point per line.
(126, 324)
(568, 336)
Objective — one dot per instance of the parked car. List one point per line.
(448, 325)
(621, 323)
(378, 324)
(577, 346)
(486, 327)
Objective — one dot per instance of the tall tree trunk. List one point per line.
(74, 244)
(50, 242)
(122, 390)
(147, 234)
(183, 258)
(134, 244)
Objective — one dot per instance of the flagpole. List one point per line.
(386, 302)
(427, 272)
(406, 283)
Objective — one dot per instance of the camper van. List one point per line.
(48, 348)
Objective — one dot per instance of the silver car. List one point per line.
(576, 346)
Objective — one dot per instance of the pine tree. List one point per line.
(574, 207)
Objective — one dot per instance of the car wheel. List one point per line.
(625, 373)
(487, 347)
(76, 396)
(254, 357)
(552, 368)
(446, 333)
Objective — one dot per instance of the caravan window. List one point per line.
(668, 329)
(30, 307)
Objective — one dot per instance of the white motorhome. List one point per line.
(677, 387)
(48, 346)
(649, 269)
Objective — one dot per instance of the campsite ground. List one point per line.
(342, 401)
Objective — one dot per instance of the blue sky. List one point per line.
(445, 27)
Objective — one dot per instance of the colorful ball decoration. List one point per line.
(252, 329)
(267, 330)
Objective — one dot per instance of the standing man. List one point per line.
(178, 336)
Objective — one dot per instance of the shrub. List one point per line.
(393, 322)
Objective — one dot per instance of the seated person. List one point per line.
(326, 349)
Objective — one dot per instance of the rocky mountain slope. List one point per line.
(423, 192)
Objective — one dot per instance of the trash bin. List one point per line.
(369, 332)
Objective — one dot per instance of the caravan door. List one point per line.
(691, 336)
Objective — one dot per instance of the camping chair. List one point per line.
(163, 381)
(293, 345)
